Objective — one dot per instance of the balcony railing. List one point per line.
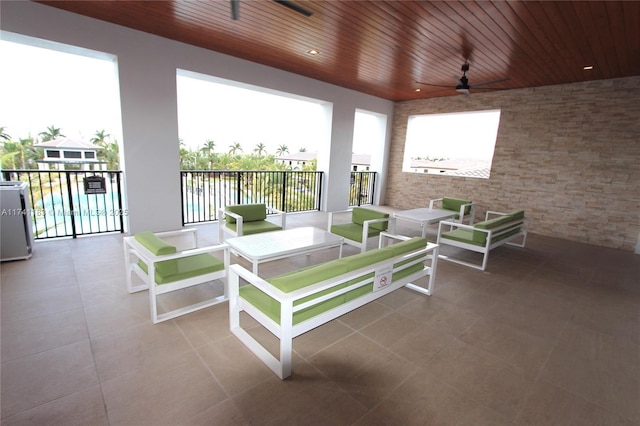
(204, 192)
(70, 203)
(362, 188)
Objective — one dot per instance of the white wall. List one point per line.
(147, 70)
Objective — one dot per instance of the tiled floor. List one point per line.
(549, 335)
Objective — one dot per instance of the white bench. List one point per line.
(294, 303)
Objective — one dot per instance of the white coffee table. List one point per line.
(268, 246)
(424, 216)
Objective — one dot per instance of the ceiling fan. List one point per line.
(235, 8)
(463, 85)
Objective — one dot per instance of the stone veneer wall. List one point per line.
(568, 154)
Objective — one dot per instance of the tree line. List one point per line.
(22, 153)
(234, 158)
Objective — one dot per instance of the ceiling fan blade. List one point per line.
(235, 9)
(435, 85)
(295, 7)
(489, 82)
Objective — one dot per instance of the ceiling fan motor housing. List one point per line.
(464, 83)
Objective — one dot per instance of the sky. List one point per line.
(227, 115)
(42, 88)
(455, 135)
(79, 94)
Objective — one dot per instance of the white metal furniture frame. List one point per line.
(492, 234)
(186, 242)
(286, 331)
(424, 216)
(269, 246)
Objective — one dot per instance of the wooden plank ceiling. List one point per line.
(384, 47)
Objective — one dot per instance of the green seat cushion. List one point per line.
(186, 267)
(353, 231)
(454, 204)
(154, 244)
(294, 281)
(256, 227)
(271, 307)
(249, 212)
(359, 215)
(261, 300)
(313, 274)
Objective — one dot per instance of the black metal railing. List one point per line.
(204, 192)
(69, 203)
(362, 188)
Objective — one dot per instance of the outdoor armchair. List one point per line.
(246, 219)
(166, 268)
(362, 224)
(465, 209)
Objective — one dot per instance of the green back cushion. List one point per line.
(494, 223)
(249, 212)
(365, 259)
(412, 244)
(476, 238)
(517, 214)
(454, 204)
(359, 215)
(295, 281)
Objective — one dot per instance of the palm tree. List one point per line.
(51, 133)
(10, 151)
(100, 138)
(302, 150)
(28, 153)
(208, 146)
(234, 148)
(260, 149)
(4, 135)
(282, 149)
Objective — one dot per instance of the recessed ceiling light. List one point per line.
(313, 52)
(418, 90)
(587, 67)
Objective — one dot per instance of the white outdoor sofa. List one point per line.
(294, 303)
